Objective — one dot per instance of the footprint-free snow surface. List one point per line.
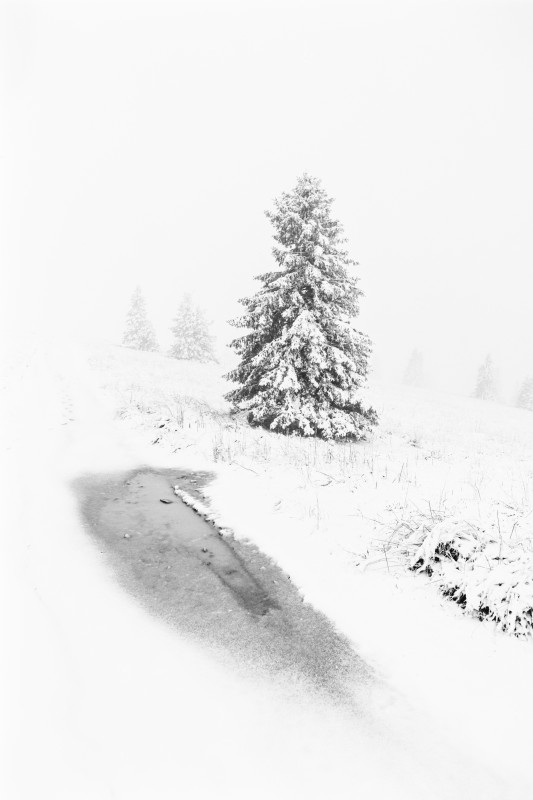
(210, 586)
(151, 657)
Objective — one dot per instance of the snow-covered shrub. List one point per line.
(487, 576)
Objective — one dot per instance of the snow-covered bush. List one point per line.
(303, 362)
(486, 575)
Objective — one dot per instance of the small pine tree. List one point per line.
(303, 363)
(414, 372)
(486, 386)
(525, 395)
(139, 332)
(193, 342)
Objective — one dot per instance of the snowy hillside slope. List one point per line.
(107, 702)
(101, 700)
(336, 516)
(440, 472)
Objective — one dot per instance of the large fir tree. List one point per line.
(486, 384)
(525, 395)
(139, 332)
(192, 340)
(303, 362)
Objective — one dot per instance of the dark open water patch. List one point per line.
(214, 588)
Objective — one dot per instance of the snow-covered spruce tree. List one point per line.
(486, 385)
(414, 372)
(192, 340)
(139, 332)
(303, 362)
(525, 395)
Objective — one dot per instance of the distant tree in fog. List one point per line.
(414, 372)
(192, 340)
(486, 385)
(139, 333)
(525, 395)
(303, 362)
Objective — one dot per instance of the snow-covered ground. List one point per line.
(105, 701)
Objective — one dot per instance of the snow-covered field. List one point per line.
(105, 700)
(446, 483)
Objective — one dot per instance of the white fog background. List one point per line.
(142, 143)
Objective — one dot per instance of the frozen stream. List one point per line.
(221, 591)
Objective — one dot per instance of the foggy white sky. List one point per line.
(144, 141)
